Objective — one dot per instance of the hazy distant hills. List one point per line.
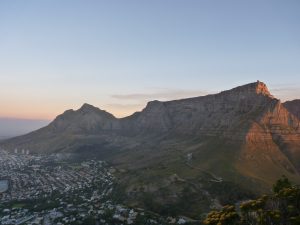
(11, 127)
(244, 136)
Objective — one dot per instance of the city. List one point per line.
(44, 189)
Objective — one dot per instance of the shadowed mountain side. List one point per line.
(293, 107)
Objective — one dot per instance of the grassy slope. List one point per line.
(169, 179)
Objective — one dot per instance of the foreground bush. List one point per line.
(280, 208)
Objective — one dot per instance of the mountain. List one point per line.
(208, 149)
(293, 107)
(88, 120)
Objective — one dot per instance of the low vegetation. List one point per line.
(282, 207)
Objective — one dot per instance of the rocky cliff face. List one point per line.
(272, 145)
(227, 113)
(293, 107)
(244, 131)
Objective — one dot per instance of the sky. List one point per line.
(117, 55)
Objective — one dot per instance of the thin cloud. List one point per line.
(161, 95)
(134, 102)
(124, 106)
(286, 91)
(123, 110)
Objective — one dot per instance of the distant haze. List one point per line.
(10, 127)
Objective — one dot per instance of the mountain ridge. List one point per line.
(244, 135)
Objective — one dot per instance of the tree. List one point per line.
(227, 216)
(282, 207)
(282, 183)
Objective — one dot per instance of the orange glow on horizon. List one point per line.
(40, 107)
(47, 113)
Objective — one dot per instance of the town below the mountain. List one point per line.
(46, 189)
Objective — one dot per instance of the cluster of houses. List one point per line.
(105, 213)
(33, 177)
(45, 190)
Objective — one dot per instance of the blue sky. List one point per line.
(118, 55)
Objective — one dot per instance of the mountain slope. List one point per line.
(68, 131)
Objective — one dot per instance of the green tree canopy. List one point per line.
(282, 207)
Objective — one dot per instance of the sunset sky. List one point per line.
(117, 55)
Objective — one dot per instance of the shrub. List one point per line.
(282, 207)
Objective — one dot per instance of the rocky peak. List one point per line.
(88, 108)
(86, 119)
(256, 88)
(261, 88)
